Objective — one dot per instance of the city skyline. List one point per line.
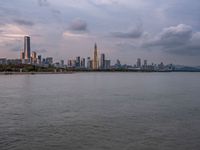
(124, 30)
(99, 60)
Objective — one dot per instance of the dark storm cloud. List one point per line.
(178, 40)
(4, 10)
(126, 46)
(135, 32)
(43, 3)
(174, 36)
(132, 34)
(78, 25)
(6, 13)
(23, 22)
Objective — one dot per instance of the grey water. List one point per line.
(100, 111)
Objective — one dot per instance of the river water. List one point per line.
(100, 111)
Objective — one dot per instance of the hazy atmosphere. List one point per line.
(156, 30)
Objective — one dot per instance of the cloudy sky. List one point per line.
(156, 30)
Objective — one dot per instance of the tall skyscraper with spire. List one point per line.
(95, 60)
(27, 48)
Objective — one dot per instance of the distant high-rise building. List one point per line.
(139, 63)
(27, 48)
(62, 62)
(71, 63)
(22, 55)
(107, 64)
(3, 61)
(89, 63)
(34, 57)
(102, 61)
(161, 66)
(78, 62)
(145, 63)
(118, 64)
(49, 61)
(39, 59)
(83, 63)
(95, 60)
(43, 61)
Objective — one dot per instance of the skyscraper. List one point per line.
(145, 62)
(34, 55)
(107, 64)
(62, 63)
(27, 48)
(82, 62)
(139, 63)
(89, 63)
(49, 60)
(95, 60)
(118, 64)
(22, 55)
(39, 59)
(78, 62)
(102, 61)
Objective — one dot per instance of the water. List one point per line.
(97, 111)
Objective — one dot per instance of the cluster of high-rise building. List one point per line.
(28, 57)
(96, 62)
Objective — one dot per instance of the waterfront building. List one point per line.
(27, 48)
(39, 59)
(49, 61)
(145, 62)
(62, 63)
(161, 66)
(83, 63)
(34, 57)
(43, 61)
(78, 62)
(95, 60)
(71, 63)
(107, 64)
(102, 61)
(13, 61)
(22, 56)
(145, 66)
(89, 63)
(3, 61)
(118, 64)
(138, 63)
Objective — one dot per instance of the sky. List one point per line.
(156, 30)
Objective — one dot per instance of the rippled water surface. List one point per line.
(97, 111)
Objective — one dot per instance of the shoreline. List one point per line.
(33, 73)
(71, 72)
